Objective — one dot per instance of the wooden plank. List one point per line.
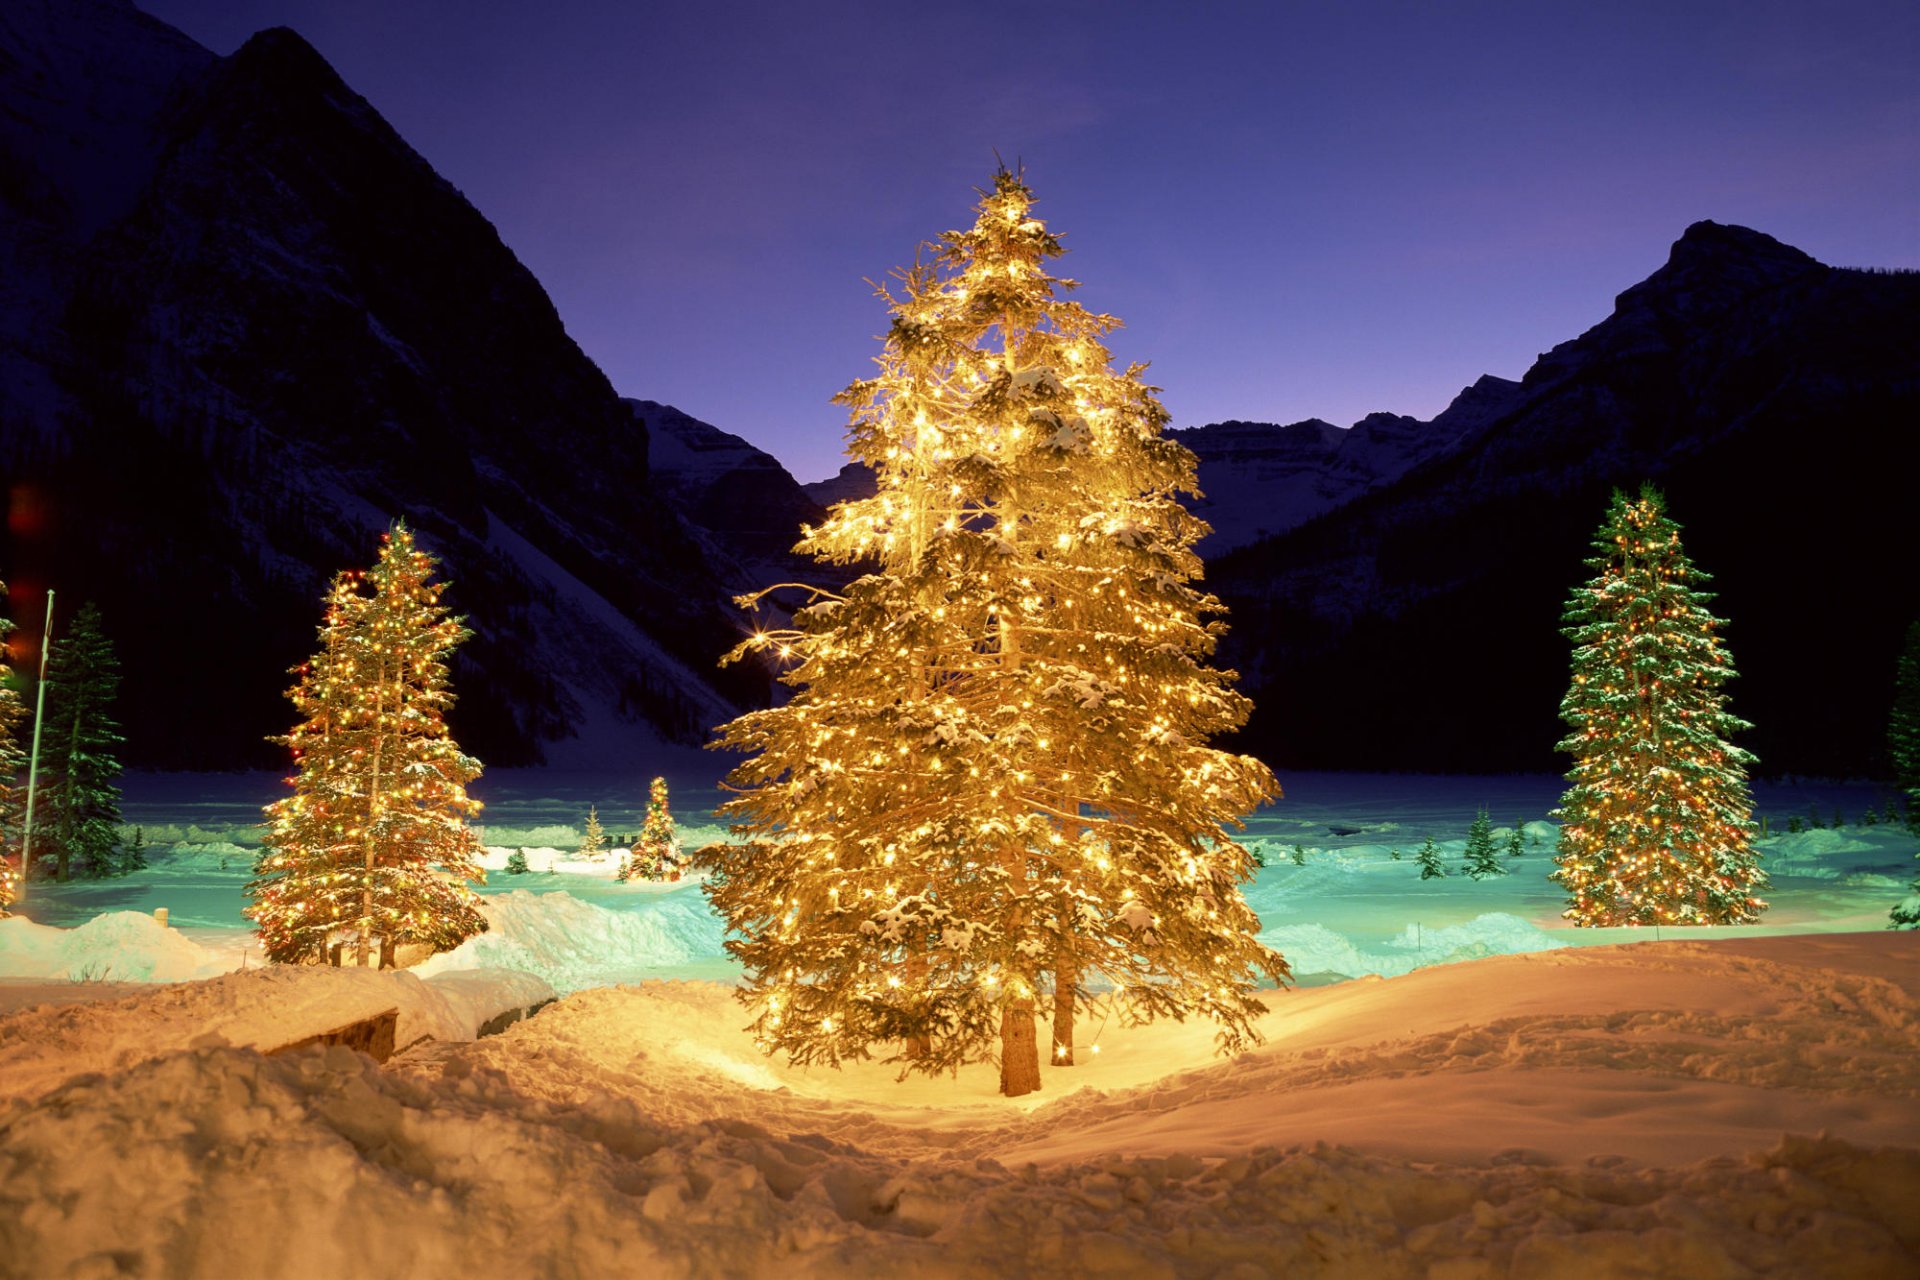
(372, 1036)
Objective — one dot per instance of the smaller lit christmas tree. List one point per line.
(1657, 820)
(374, 843)
(1482, 859)
(656, 852)
(1431, 868)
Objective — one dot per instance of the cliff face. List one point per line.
(277, 331)
(1774, 398)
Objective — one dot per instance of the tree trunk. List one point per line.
(363, 950)
(1066, 981)
(1019, 1048)
(920, 1047)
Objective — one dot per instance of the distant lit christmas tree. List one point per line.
(373, 845)
(656, 851)
(1656, 823)
(593, 841)
(80, 799)
(993, 775)
(13, 758)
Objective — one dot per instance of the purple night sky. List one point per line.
(1298, 209)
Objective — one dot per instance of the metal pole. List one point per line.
(33, 759)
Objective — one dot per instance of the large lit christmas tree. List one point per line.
(1657, 817)
(992, 781)
(373, 845)
(12, 760)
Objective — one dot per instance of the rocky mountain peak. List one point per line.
(1714, 266)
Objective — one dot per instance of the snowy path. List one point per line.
(1618, 1111)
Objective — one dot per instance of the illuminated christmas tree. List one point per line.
(656, 851)
(1657, 818)
(373, 845)
(992, 780)
(13, 758)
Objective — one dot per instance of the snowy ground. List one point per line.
(1749, 1107)
(1349, 911)
(1745, 1102)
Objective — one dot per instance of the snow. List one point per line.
(1656, 1109)
(259, 1009)
(1516, 1098)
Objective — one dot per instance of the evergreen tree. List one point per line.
(374, 842)
(1515, 845)
(1483, 859)
(82, 813)
(1903, 722)
(593, 843)
(134, 858)
(1431, 868)
(517, 863)
(13, 758)
(994, 766)
(1657, 818)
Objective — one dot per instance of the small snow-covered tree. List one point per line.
(1657, 819)
(1483, 859)
(13, 758)
(80, 743)
(993, 776)
(1515, 842)
(374, 842)
(1903, 723)
(1431, 868)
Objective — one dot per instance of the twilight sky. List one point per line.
(1300, 209)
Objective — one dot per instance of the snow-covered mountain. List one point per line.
(1776, 399)
(244, 326)
(1258, 480)
(736, 497)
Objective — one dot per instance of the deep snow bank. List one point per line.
(256, 1009)
(1595, 1112)
(120, 946)
(572, 943)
